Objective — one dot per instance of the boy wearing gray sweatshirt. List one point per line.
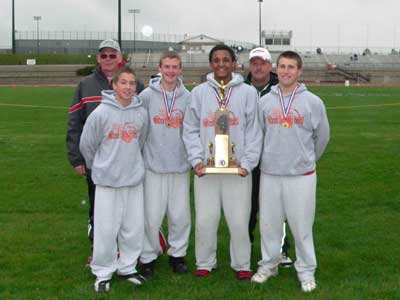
(111, 144)
(296, 133)
(212, 192)
(167, 181)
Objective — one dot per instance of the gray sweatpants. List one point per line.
(232, 193)
(290, 198)
(166, 194)
(118, 225)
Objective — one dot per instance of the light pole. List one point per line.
(13, 27)
(119, 25)
(259, 21)
(134, 11)
(37, 19)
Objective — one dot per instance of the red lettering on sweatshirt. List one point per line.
(175, 120)
(276, 118)
(126, 132)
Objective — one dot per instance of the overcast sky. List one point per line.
(315, 23)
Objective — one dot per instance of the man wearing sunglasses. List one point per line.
(87, 97)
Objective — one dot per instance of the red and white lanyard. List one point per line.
(286, 110)
(223, 102)
(168, 108)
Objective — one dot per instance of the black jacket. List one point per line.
(273, 80)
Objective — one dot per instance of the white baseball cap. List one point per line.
(261, 53)
(110, 43)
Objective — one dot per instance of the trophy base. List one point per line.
(229, 170)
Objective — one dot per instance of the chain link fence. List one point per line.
(86, 42)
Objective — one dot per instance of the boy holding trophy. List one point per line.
(223, 140)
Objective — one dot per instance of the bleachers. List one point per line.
(368, 62)
(366, 69)
(311, 60)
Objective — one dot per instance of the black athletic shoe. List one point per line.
(178, 265)
(180, 268)
(147, 270)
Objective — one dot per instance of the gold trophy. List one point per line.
(222, 152)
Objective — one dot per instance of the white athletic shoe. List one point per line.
(135, 278)
(261, 276)
(308, 285)
(102, 286)
(286, 261)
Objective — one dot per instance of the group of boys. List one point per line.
(140, 149)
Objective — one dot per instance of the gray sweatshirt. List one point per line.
(293, 150)
(245, 131)
(111, 142)
(164, 151)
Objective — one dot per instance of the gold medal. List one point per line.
(169, 121)
(287, 120)
(286, 124)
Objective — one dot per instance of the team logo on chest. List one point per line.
(285, 116)
(169, 115)
(126, 132)
(170, 120)
(276, 117)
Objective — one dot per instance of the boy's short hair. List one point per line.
(170, 55)
(291, 55)
(222, 47)
(124, 69)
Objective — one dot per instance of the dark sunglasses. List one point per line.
(112, 56)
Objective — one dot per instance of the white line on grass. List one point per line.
(332, 107)
(361, 106)
(33, 106)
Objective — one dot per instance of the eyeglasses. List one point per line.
(112, 56)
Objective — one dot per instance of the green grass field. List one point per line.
(43, 243)
(47, 59)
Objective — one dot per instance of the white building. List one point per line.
(277, 40)
(199, 44)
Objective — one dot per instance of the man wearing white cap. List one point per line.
(260, 67)
(262, 78)
(87, 97)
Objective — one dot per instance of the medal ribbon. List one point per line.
(286, 110)
(223, 101)
(168, 108)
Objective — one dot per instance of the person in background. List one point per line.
(86, 98)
